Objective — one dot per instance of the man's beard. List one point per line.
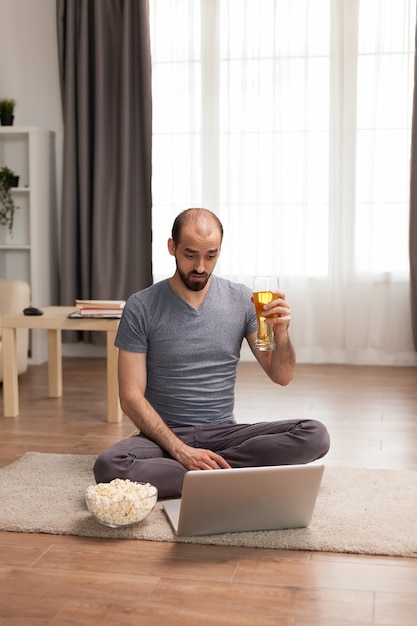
(193, 285)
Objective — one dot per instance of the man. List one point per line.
(179, 345)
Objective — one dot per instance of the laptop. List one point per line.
(245, 499)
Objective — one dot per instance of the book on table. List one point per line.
(100, 304)
(99, 308)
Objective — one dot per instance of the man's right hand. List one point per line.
(200, 459)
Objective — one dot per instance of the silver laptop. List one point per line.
(245, 499)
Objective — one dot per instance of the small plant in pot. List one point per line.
(8, 179)
(7, 111)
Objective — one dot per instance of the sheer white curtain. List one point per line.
(291, 120)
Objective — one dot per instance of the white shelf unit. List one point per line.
(29, 252)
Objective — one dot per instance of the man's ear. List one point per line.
(171, 246)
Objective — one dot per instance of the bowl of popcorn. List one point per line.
(121, 503)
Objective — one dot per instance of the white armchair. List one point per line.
(14, 297)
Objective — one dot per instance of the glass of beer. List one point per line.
(263, 286)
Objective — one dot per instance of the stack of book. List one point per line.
(100, 308)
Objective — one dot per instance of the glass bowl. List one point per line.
(121, 503)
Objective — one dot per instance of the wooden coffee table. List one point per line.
(55, 319)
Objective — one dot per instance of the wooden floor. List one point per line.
(371, 414)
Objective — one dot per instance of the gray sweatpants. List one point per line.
(241, 445)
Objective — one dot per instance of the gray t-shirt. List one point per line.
(192, 356)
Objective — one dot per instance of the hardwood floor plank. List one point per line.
(18, 556)
(62, 583)
(395, 609)
(264, 600)
(16, 609)
(83, 614)
(146, 563)
(364, 558)
(362, 576)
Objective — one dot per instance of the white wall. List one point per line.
(29, 73)
(29, 67)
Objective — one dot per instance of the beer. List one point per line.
(264, 330)
(263, 286)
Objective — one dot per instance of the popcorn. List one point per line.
(121, 502)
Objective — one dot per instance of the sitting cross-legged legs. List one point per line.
(241, 445)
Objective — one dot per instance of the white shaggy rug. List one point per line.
(361, 511)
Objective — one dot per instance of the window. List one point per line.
(291, 120)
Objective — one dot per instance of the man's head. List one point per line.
(195, 243)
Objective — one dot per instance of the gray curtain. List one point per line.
(105, 70)
(413, 208)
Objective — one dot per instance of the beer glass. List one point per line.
(262, 293)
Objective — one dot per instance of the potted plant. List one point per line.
(7, 111)
(8, 179)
